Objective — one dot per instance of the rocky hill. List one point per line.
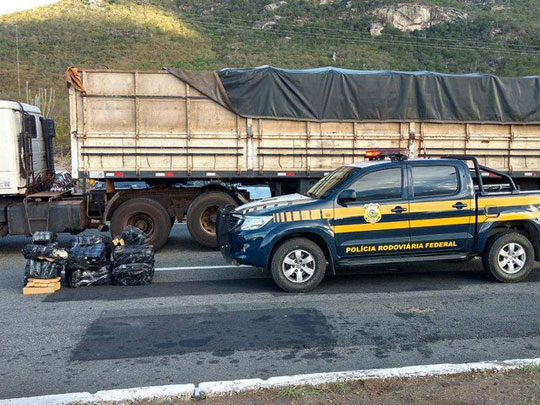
(494, 36)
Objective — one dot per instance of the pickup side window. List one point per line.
(434, 181)
(381, 185)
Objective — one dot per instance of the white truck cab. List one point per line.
(23, 148)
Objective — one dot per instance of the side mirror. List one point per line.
(346, 196)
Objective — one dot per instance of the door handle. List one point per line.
(398, 209)
(459, 205)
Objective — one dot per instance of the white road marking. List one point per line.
(185, 392)
(201, 268)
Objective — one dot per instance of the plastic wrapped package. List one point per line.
(89, 261)
(91, 257)
(43, 238)
(133, 274)
(43, 269)
(43, 261)
(33, 252)
(85, 278)
(91, 240)
(133, 254)
(132, 235)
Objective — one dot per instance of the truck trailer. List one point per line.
(194, 137)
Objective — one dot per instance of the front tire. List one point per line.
(508, 257)
(298, 265)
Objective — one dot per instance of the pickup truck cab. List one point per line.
(388, 211)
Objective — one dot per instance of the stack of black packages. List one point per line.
(133, 260)
(44, 259)
(89, 261)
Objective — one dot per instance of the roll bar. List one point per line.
(478, 168)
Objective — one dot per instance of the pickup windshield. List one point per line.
(324, 186)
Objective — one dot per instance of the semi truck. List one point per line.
(193, 138)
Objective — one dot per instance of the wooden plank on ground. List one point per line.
(40, 290)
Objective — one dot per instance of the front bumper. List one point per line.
(225, 224)
(242, 247)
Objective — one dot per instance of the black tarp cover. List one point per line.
(332, 94)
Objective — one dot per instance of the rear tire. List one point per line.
(298, 265)
(201, 216)
(147, 215)
(508, 257)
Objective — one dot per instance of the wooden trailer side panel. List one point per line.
(151, 124)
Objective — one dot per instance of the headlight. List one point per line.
(252, 222)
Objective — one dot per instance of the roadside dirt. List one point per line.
(512, 387)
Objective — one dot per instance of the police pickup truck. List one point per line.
(384, 212)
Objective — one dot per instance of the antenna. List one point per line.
(18, 69)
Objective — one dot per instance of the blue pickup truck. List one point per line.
(384, 212)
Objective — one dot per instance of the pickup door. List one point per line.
(378, 219)
(442, 207)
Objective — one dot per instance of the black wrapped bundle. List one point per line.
(33, 252)
(133, 236)
(91, 240)
(41, 269)
(43, 260)
(43, 238)
(89, 261)
(88, 257)
(133, 274)
(133, 254)
(86, 278)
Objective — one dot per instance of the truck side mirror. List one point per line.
(347, 196)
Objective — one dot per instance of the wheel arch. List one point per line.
(224, 188)
(525, 227)
(314, 237)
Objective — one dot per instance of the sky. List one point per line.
(10, 6)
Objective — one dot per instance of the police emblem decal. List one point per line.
(372, 213)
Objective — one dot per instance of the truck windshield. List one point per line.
(324, 186)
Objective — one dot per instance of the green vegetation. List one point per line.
(501, 37)
(296, 392)
(530, 368)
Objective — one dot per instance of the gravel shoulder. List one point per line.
(511, 387)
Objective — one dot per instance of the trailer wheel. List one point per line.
(147, 215)
(508, 257)
(201, 216)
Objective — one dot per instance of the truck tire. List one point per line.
(508, 257)
(298, 265)
(201, 216)
(147, 215)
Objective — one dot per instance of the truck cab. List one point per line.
(27, 204)
(25, 149)
(382, 212)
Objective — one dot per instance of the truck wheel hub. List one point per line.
(208, 219)
(143, 222)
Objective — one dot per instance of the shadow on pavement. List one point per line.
(340, 284)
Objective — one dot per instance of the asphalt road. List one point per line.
(205, 323)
